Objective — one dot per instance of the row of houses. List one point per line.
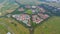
(39, 18)
(23, 17)
(36, 19)
(43, 16)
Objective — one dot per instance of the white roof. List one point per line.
(33, 6)
(13, 15)
(8, 33)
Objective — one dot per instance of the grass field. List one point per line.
(29, 11)
(51, 26)
(12, 26)
(3, 29)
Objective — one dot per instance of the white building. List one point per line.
(8, 33)
(33, 6)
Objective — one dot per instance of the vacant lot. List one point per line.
(51, 26)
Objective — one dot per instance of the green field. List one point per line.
(12, 26)
(29, 11)
(3, 29)
(51, 26)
